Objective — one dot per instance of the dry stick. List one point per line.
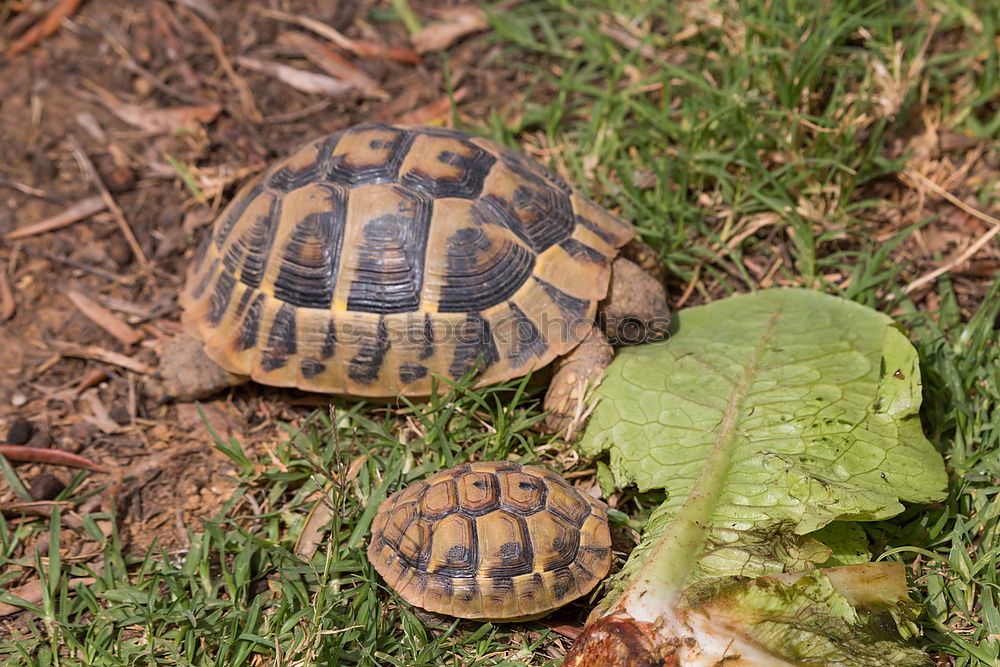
(100, 354)
(7, 303)
(96, 270)
(103, 317)
(242, 87)
(34, 192)
(78, 211)
(48, 25)
(914, 178)
(109, 201)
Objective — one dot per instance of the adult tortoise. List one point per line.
(375, 258)
(491, 540)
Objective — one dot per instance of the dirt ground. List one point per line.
(146, 117)
(164, 101)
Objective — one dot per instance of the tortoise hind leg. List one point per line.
(576, 376)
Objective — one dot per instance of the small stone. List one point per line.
(18, 399)
(120, 179)
(46, 487)
(20, 431)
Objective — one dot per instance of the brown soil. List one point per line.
(92, 92)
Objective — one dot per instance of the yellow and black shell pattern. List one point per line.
(491, 540)
(374, 258)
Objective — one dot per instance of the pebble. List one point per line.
(18, 399)
(120, 179)
(20, 431)
(46, 487)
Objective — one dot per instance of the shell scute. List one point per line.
(561, 500)
(504, 545)
(556, 540)
(478, 492)
(455, 549)
(523, 493)
(440, 499)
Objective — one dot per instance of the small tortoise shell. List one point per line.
(497, 541)
(372, 259)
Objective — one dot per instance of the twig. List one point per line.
(78, 211)
(914, 177)
(96, 270)
(307, 82)
(358, 47)
(103, 317)
(324, 58)
(34, 192)
(43, 28)
(242, 87)
(109, 201)
(47, 455)
(7, 303)
(958, 261)
(100, 354)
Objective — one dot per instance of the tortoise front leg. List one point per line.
(576, 376)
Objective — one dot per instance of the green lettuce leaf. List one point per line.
(765, 418)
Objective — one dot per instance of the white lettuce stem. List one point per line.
(667, 569)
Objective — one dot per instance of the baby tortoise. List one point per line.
(491, 540)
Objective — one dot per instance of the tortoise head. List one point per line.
(635, 310)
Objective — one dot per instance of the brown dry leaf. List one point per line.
(457, 23)
(434, 113)
(154, 119)
(359, 47)
(307, 82)
(331, 63)
(32, 593)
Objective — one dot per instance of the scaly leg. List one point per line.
(576, 376)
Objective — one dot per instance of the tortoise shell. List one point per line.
(376, 257)
(497, 541)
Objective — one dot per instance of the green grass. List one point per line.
(742, 134)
